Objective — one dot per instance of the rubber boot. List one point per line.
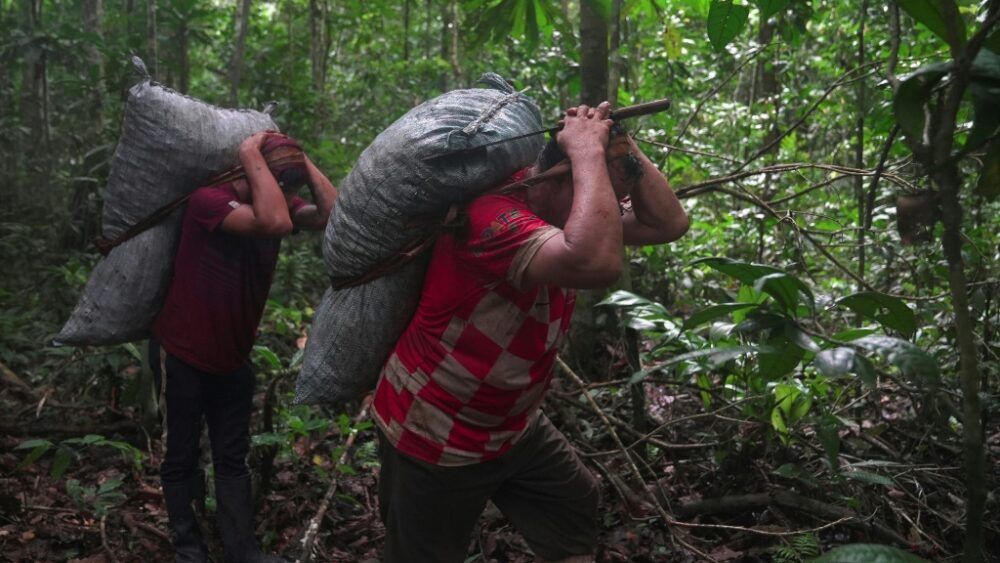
(184, 532)
(235, 513)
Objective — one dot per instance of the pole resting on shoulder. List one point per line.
(627, 112)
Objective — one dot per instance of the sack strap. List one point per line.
(105, 246)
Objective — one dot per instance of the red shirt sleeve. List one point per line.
(208, 206)
(502, 236)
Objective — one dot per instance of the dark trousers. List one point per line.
(192, 396)
(540, 485)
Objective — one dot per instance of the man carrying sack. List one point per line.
(205, 331)
(457, 404)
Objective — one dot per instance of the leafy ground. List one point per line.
(739, 493)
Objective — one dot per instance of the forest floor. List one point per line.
(735, 496)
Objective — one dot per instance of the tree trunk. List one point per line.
(584, 338)
(184, 56)
(593, 55)
(859, 147)
(456, 68)
(151, 43)
(318, 43)
(93, 14)
(617, 61)
(239, 46)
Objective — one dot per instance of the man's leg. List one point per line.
(182, 423)
(429, 511)
(229, 404)
(551, 498)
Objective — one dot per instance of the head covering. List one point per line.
(285, 159)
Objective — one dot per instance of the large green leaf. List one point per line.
(602, 7)
(933, 16)
(770, 7)
(886, 309)
(782, 357)
(746, 272)
(713, 312)
(725, 21)
(984, 88)
(838, 362)
(868, 553)
(912, 95)
(785, 289)
(913, 362)
(988, 186)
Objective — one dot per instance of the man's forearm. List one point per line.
(593, 224)
(323, 192)
(266, 198)
(658, 214)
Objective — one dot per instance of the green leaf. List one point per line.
(988, 186)
(725, 21)
(827, 431)
(913, 362)
(796, 335)
(33, 444)
(61, 462)
(623, 299)
(913, 94)
(770, 7)
(758, 322)
(868, 553)
(984, 88)
(781, 361)
(890, 311)
(836, 362)
(854, 333)
(865, 370)
(785, 289)
(932, 15)
(715, 355)
(745, 272)
(714, 312)
(269, 356)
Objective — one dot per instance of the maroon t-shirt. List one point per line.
(219, 288)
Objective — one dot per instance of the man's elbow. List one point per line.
(677, 228)
(601, 271)
(276, 228)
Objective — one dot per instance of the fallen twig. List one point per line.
(312, 530)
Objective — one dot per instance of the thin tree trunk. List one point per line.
(584, 339)
(593, 56)
(184, 56)
(317, 43)
(93, 14)
(615, 56)
(152, 57)
(236, 64)
(456, 68)
(859, 146)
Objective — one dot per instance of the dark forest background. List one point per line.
(815, 365)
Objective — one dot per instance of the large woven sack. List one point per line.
(170, 144)
(391, 197)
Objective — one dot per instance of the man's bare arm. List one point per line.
(657, 215)
(587, 252)
(314, 216)
(267, 214)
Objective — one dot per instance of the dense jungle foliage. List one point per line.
(814, 366)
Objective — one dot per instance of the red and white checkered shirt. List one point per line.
(468, 374)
